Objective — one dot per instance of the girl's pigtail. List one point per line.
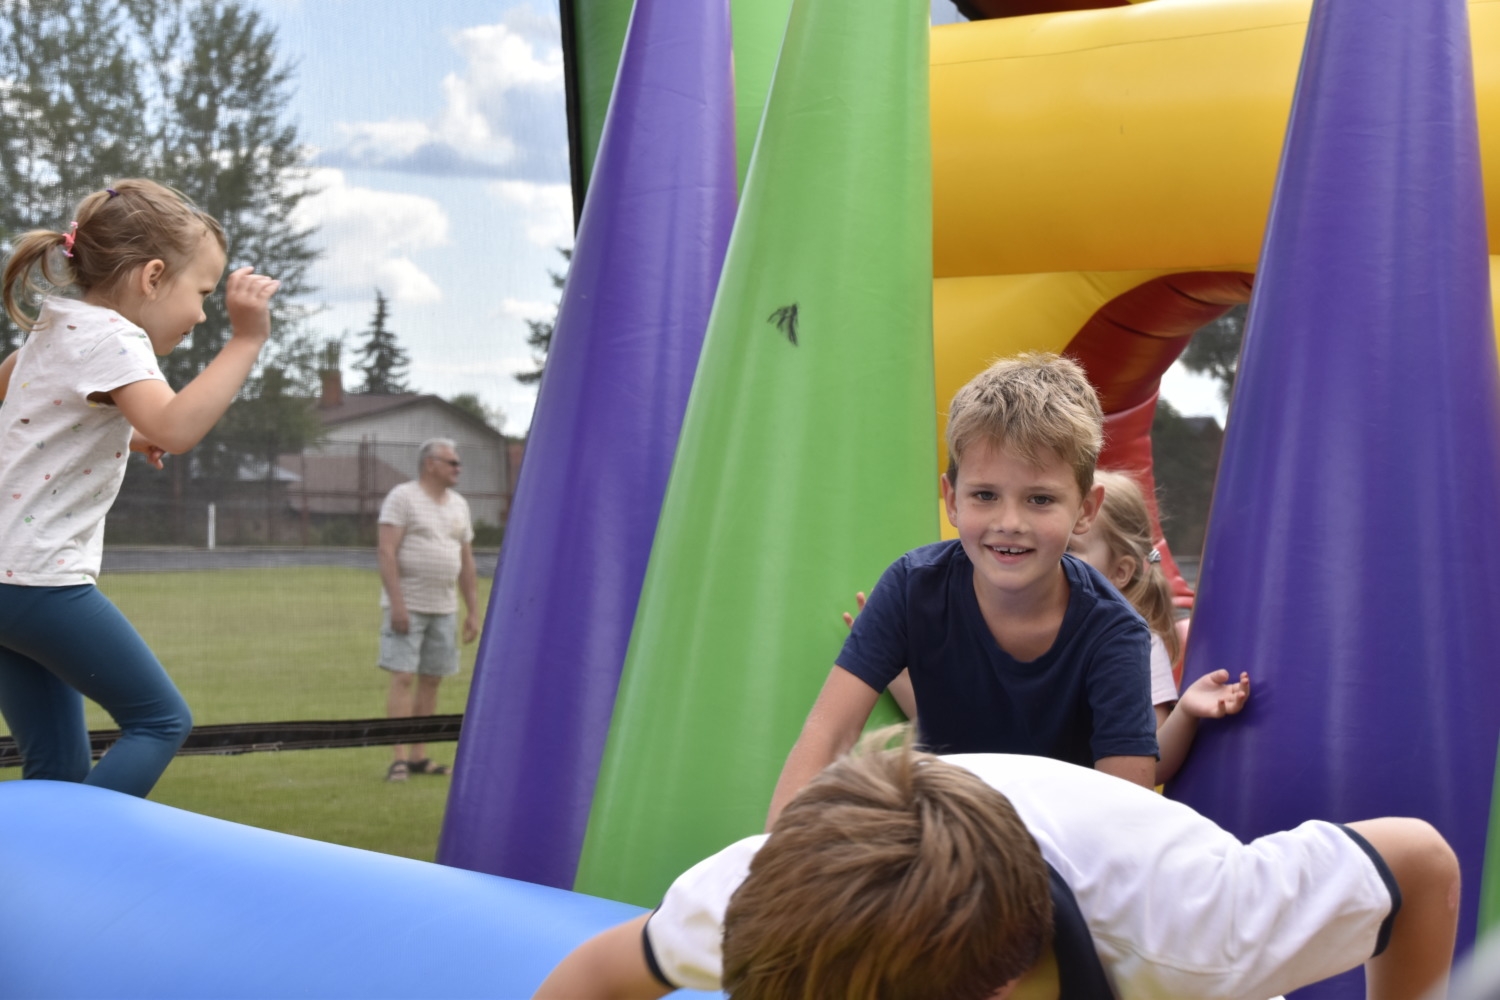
(37, 251)
(1124, 522)
(1153, 596)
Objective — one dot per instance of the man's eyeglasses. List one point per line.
(451, 461)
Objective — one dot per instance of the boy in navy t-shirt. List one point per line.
(1012, 646)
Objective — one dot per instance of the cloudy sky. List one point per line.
(440, 152)
(439, 141)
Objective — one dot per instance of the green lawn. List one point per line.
(263, 645)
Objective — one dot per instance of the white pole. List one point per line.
(210, 526)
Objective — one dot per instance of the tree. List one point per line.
(1215, 349)
(471, 404)
(218, 97)
(222, 140)
(190, 93)
(540, 338)
(382, 359)
(271, 419)
(1185, 450)
(1185, 461)
(70, 113)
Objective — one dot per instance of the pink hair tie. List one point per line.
(69, 238)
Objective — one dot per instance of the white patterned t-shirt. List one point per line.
(62, 457)
(432, 541)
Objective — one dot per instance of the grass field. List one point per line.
(286, 644)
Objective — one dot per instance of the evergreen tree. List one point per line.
(381, 358)
(540, 338)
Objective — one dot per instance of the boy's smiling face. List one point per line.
(1015, 519)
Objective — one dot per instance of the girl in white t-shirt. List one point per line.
(1119, 544)
(81, 393)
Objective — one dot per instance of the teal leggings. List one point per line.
(59, 645)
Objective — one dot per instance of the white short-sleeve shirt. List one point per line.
(431, 550)
(1176, 906)
(1163, 686)
(62, 457)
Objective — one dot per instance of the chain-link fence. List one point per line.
(330, 495)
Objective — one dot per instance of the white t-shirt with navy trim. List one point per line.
(62, 457)
(1176, 906)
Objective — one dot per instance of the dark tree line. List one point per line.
(1186, 450)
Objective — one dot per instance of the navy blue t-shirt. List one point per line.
(1087, 697)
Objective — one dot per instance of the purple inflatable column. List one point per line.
(650, 245)
(1353, 554)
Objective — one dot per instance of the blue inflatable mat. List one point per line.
(106, 895)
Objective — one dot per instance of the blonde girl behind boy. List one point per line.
(84, 390)
(1119, 544)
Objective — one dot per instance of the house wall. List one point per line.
(395, 436)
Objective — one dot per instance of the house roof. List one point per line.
(356, 406)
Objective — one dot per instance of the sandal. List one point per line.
(397, 771)
(426, 766)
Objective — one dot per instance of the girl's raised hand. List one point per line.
(247, 298)
(1213, 697)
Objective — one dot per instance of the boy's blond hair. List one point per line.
(892, 875)
(1124, 525)
(1035, 404)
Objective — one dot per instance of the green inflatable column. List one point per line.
(806, 459)
(759, 27)
(595, 37)
(1489, 886)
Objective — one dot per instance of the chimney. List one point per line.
(333, 389)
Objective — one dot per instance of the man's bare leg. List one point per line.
(399, 704)
(425, 703)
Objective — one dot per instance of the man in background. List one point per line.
(424, 546)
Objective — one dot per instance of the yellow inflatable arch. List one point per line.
(1101, 181)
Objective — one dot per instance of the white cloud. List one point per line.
(489, 123)
(368, 237)
(548, 210)
(405, 282)
(1192, 394)
(374, 140)
(519, 309)
(493, 367)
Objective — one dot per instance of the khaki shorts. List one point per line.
(429, 647)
